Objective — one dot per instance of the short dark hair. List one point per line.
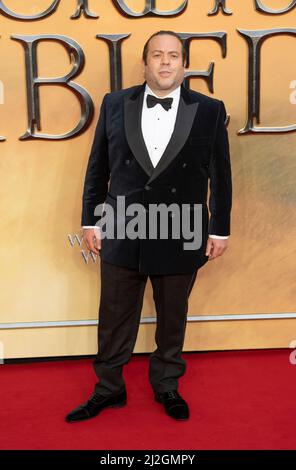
(162, 31)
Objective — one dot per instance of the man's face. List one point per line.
(164, 70)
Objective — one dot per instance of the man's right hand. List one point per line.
(92, 239)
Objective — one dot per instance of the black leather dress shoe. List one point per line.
(95, 405)
(174, 404)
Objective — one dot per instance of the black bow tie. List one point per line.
(152, 100)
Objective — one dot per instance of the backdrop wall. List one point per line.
(49, 282)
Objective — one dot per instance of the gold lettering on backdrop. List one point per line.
(82, 7)
(254, 40)
(220, 5)
(12, 14)
(114, 45)
(150, 9)
(34, 82)
(207, 75)
(264, 9)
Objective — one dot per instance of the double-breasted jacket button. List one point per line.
(127, 161)
(147, 187)
(184, 165)
(173, 190)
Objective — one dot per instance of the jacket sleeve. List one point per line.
(220, 199)
(97, 172)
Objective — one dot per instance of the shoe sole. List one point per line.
(116, 405)
(177, 419)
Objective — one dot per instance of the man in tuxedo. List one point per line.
(155, 143)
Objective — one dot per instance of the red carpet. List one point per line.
(237, 399)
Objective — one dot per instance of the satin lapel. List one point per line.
(133, 129)
(184, 119)
(132, 121)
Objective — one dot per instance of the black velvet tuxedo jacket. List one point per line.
(119, 165)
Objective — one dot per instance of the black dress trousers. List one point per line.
(122, 293)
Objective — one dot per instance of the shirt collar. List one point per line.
(173, 94)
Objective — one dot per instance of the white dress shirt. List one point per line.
(158, 126)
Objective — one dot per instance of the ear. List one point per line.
(143, 66)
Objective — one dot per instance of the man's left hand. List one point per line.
(216, 247)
